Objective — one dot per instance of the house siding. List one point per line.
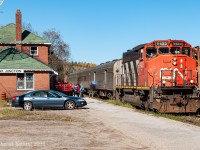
(42, 52)
(9, 86)
(42, 81)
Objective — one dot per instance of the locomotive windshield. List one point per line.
(175, 50)
(186, 51)
(163, 50)
(150, 52)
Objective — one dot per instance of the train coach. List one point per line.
(103, 76)
(160, 75)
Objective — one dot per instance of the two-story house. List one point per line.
(23, 60)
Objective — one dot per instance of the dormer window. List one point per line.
(34, 50)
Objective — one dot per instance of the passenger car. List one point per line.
(47, 99)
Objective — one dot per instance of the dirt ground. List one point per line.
(98, 126)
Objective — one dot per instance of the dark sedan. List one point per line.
(47, 99)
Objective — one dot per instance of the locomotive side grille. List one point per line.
(129, 77)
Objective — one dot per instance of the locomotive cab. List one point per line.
(168, 69)
(167, 64)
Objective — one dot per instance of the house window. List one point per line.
(34, 50)
(25, 81)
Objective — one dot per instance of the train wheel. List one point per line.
(97, 95)
(109, 95)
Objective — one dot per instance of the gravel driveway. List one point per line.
(99, 126)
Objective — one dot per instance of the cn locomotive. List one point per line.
(160, 75)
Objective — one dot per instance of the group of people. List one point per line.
(78, 90)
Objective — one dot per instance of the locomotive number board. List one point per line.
(161, 43)
(177, 43)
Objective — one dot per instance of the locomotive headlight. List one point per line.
(181, 65)
(163, 81)
(174, 63)
(175, 59)
(191, 81)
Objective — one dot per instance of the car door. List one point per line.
(38, 99)
(54, 100)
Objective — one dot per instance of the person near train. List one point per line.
(75, 90)
(81, 90)
(78, 90)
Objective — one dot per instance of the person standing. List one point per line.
(75, 87)
(78, 90)
(82, 90)
(93, 86)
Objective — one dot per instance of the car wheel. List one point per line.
(69, 105)
(28, 106)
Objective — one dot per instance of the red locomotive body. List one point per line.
(162, 77)
(167, 63)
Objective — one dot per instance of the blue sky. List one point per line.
(101, 30)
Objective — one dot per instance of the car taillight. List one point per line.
(14, 98)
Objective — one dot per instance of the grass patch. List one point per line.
(118, 103)
(4, 103)
(186, 118)
(18, 114)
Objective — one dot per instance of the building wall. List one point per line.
(42, 81)
(42, 52)
(8, 83)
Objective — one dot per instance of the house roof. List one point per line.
(11, 58)
(8, 35)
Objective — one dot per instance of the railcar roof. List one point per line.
(103, 65)
(106, 64)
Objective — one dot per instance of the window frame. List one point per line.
(163, 53)
(148, 56)
(178, 49)
(185, 53)
(24, 81)
(36, 51)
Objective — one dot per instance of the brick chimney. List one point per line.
(18, 29)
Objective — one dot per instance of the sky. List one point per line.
(98, 31)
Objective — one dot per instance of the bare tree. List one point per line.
(58, 46)
(59, 52)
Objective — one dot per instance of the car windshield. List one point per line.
(26, 93)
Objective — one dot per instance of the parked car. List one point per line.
(47, 99)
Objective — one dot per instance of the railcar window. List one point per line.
(150, 52)
(163, 50)
(175, 50)
(186, 51)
